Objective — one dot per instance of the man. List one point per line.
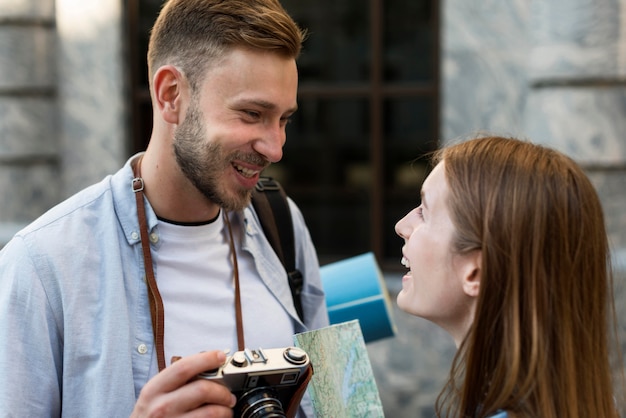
(97, 296)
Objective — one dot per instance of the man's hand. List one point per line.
(173, 393)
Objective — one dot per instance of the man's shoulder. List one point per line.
(75, 206)
(109, 195)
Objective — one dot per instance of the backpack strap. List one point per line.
(270, 203)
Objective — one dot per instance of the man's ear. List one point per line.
(471, 273)
(169, 93)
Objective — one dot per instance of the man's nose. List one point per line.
(271, 144)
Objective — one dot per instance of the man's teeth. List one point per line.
(405, 262)
(245, 171)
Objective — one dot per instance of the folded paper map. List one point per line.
(343, 383)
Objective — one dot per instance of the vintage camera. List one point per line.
(266, 382)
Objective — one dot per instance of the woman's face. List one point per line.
(435, 287)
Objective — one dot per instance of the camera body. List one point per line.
(266, 382)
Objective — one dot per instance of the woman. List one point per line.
(508, 252)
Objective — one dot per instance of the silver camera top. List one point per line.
(266, 382)
(246, 369)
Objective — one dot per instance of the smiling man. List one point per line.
(166, 257)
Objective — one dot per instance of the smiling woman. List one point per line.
(508, 252)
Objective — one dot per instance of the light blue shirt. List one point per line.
(75, 328)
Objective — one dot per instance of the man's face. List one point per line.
(234, 126)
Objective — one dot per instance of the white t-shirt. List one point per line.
(194, 273)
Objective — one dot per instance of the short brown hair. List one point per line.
(192, 33)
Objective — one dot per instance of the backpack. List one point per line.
(270, 203)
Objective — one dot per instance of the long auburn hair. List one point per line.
(545, 316)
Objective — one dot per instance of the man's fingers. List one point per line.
(181, 372)
(200, 398)
(185, 369)
(174, 390)
(200, 394)
(210, 411)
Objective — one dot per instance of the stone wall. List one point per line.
(28, 129)
(62, 112)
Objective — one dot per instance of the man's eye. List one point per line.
(420, 212)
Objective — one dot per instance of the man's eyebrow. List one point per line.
(269, 105)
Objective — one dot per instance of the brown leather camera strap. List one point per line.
(238, 316)
(156, 302)
(294, 402)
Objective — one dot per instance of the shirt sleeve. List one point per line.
(313, 297)
(30, 342)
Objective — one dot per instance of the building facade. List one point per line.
(550, 71)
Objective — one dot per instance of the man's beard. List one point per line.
(204, 164)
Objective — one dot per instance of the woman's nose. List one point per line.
(401, 228)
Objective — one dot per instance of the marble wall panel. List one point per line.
(93, 126)
(28, 191)
(42, 9)
(483, 90)
(587, 123)
(488, 24)
(611, 187)
(578, 39)
(27, 57)
(484, 66)
(27, 127)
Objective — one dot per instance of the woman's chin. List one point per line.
(402, 301)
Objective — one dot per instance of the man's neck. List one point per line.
(171, 195)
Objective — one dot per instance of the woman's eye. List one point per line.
(420, 212)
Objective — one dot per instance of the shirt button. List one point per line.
(134, 235)
(142, 349)
(154, 237)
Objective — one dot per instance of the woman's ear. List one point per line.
(472, 273)
(168, 85)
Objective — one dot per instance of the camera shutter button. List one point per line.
(295, 355)
(239, 359)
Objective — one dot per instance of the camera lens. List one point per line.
(261, 402)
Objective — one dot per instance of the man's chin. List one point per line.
(237, 202)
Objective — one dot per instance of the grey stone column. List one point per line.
(577, 96)
(93, 126)
(484, 54)
(28, 130)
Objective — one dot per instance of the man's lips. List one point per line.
(245, 171)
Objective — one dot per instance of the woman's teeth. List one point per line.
(405, 262)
